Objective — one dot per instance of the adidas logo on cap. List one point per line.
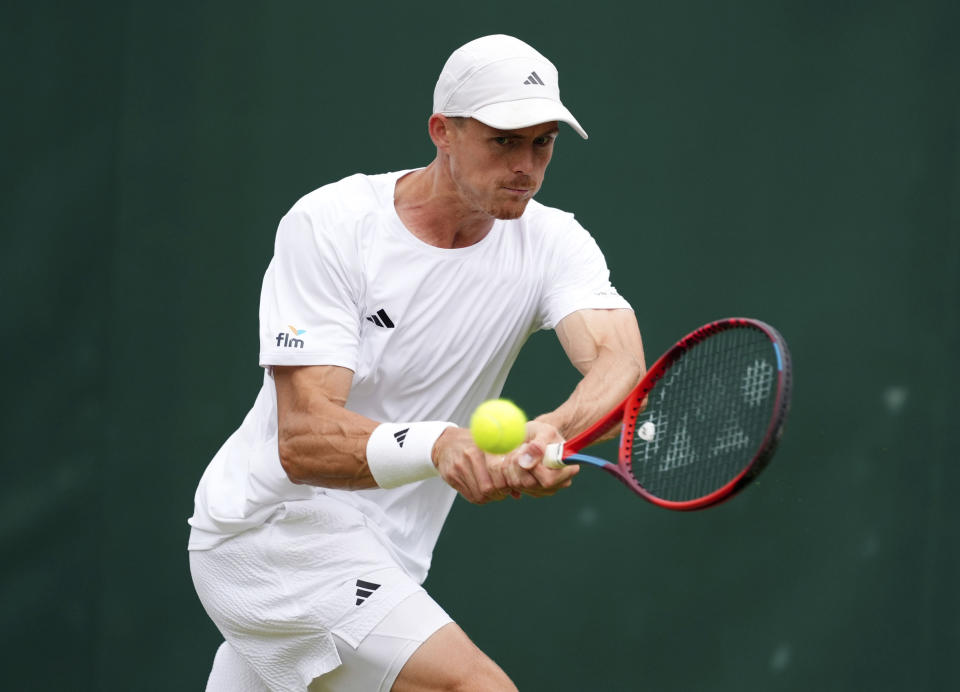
(534, 78)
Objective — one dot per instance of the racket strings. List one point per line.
(707, 416)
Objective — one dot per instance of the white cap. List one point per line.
(502, 82)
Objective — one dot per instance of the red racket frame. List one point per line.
(628, 410)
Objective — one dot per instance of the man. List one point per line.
(394, 305)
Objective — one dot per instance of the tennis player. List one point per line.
(393, 306)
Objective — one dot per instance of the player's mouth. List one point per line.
(519, 191)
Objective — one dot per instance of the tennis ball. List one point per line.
(498, 426)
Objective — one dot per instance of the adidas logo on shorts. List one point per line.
(365, 589)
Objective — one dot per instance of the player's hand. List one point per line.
(473, 473)
(524, 470)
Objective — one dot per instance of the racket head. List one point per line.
(707, 417)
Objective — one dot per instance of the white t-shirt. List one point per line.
(429, 334)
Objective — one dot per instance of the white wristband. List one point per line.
(400, 453)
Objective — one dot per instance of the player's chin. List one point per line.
(513, 210)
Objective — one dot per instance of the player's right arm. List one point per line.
(320, 442)
(323, 443)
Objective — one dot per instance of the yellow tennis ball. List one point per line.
(498, 426)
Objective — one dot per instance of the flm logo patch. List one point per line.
(284, 339)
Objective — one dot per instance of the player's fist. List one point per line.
(524, 470)
(466, 468)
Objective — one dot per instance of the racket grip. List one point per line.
(553, 456)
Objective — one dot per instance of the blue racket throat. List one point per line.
(587, 459)
(776, 348)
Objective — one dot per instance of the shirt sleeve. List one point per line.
(577, 278)
(309, 311)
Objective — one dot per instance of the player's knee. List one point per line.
(477, 673)
(449, 662)
(483, 677)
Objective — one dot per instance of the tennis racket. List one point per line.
(703, 422)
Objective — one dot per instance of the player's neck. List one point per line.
(430, 207)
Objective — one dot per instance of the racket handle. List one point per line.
(553, 456)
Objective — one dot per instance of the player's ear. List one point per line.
(441, 131)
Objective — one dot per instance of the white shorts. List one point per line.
(299, 595)
(375, 664)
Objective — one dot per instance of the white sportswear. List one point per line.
(429, 334)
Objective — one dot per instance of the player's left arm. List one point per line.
(607, 349)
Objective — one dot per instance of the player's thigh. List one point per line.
(448, 660)
(375, 662)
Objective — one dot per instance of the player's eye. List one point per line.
(502, 141)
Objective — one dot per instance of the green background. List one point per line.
(793, 161)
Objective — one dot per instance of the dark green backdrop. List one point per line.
(793, 161)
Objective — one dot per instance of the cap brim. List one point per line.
(513, 115)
